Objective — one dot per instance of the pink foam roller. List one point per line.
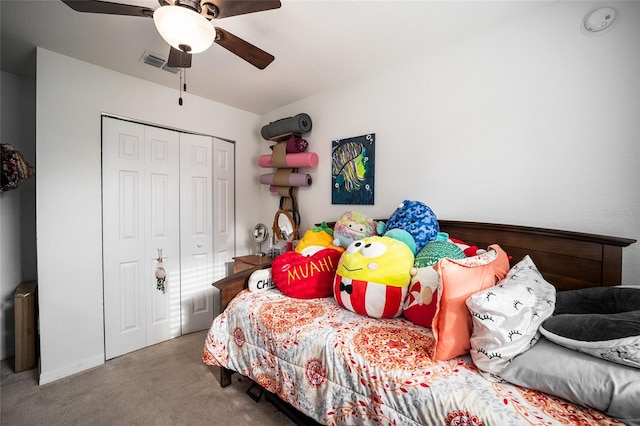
(296, 160)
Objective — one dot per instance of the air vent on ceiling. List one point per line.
(158, 61)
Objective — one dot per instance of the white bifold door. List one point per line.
(167, 205)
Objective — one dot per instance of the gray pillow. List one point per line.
(580, 378)
(601, 321)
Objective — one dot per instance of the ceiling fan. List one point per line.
(184, 24)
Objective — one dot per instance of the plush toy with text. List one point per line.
(374, 274)
(306, 277)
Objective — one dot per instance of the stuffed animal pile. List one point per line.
(373, 268)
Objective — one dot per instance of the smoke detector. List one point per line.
(599, 20)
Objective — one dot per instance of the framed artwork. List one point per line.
(353, 170)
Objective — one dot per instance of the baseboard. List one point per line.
(86, 364)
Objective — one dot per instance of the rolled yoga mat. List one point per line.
(288, 179)
(294, 144)
(299, 124)
(298, 160)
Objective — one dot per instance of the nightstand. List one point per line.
(241, 263)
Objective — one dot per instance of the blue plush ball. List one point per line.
(417, 219)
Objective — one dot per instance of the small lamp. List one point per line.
(184, 29)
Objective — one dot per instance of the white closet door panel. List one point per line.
(162, 213)
(130, 318)
(224, 205)
(158, 194)
(123, 237)
(196, 223)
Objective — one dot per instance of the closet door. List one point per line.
(223, 205)
(140, 215)
(196, 224)
(162, 236)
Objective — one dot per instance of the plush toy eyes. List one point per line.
(373, 249)
(357, 227)
(354, 247)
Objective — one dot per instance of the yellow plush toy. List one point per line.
(374, 274)
(316, 239)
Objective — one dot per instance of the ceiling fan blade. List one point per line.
(98, 6)
(178, 59)
(227, 8)
(247, 51)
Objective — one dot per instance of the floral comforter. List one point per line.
(339, 368)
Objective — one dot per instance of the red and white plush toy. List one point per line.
(422, 301)
(308, 271)
(305, 277)
(374, 273)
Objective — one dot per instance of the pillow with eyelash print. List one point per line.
(507, 317)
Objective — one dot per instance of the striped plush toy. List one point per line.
(374, 273)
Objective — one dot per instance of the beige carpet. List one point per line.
(165, 384)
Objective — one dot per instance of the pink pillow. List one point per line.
(459, 279)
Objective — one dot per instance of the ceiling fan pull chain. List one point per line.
(180, 88)
(184, 86)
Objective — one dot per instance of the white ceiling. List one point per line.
(317, 43)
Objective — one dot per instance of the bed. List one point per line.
(338, 367)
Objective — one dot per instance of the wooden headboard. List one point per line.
(568, 260)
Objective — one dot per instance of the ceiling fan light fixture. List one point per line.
(180, 26)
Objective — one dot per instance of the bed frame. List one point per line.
(568, 260)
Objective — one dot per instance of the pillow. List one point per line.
(459, 279)
(305, 277)
(436, 250)
(261, 280)
(422, 300)
(506, 317)
(601, 321)
(579, 378)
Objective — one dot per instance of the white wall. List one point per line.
(17, 207)
(71, 95)
(530, 123)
